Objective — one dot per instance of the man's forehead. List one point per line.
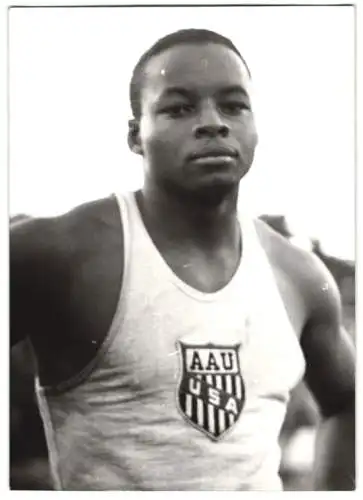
(195, 64)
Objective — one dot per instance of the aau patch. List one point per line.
(211, 392)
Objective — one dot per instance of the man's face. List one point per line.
(197, 128)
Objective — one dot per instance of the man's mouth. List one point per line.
(214, 160)
(214, 156)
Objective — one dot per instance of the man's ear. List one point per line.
(133, 138)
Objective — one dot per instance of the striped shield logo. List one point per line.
(211, 391)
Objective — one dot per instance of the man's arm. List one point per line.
(30, 245)
(330, 375)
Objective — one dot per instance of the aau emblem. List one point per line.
(211, 392)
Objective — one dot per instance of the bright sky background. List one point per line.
(69, 76)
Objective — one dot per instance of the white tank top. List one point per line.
(189, 389)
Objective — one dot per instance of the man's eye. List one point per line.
(234, 108)
(178, 110)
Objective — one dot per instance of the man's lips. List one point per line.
(216, 153)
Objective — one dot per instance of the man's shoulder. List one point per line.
(73, 224)
(87, 222)
(282, 251)
(64, 232)
(309, 274)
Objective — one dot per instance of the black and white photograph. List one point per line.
(182, 247)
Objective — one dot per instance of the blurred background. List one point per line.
(69, 72)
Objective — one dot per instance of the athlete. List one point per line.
(168, 327)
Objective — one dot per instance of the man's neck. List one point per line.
(191, 220)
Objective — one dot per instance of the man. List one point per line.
(168, 329)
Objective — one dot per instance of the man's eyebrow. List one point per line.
(234, 89)
(188, 93)
(181, 91)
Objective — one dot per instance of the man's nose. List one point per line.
(210, 124)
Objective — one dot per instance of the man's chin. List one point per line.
(210, 190)
(213, 192)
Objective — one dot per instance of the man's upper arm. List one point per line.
(30, 245)
(328, 349)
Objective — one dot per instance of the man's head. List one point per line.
(193, 121)
(186, 36)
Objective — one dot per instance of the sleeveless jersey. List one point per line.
(189, 389)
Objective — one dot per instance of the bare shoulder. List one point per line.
(40, 238)
(311, 278)
(85, 225)
(49, 255)
(100, 212)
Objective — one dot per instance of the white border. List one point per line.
(4, 323)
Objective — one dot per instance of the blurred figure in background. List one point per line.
(29, 467)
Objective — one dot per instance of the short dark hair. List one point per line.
(185, 36)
